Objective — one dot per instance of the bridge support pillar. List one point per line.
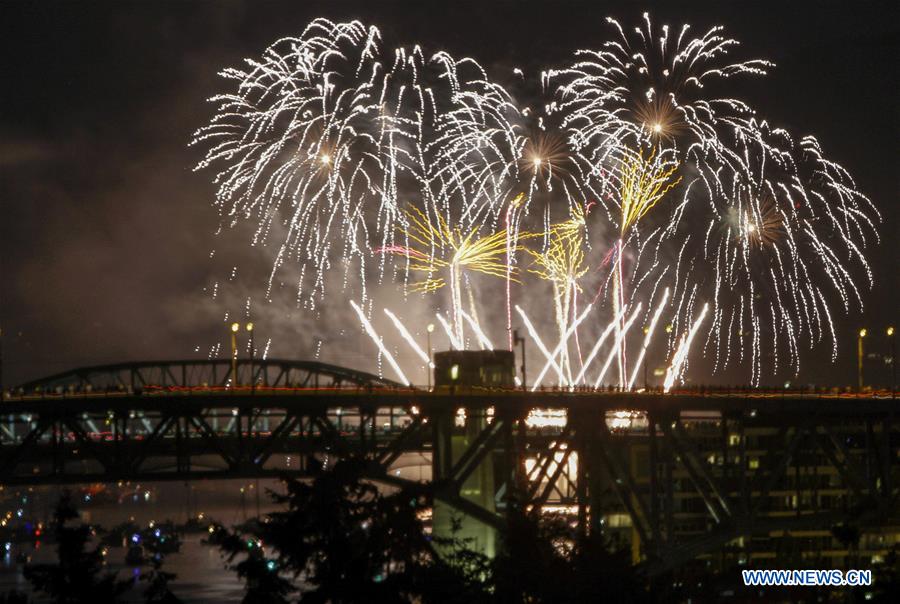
(463, 470)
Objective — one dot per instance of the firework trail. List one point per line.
(476, 329)
(541, 346)
(618, 344)
(677, 367)
(378, 342)
(648, 337)
(596, 349)
(409, 339)
(563, 344)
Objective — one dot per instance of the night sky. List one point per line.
(105, 230)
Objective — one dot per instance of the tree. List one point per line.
(542, 559)
(346, 541)
(78, 576)
(261, 574)
(159, 542)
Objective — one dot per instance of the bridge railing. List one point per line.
(80, 393)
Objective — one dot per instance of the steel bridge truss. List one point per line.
(219, 373)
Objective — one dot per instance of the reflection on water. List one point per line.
(200, 569)
(25, 513)
(201, 574)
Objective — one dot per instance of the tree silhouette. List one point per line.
(159, 542)
(346, 540)
(78, 576)
(543, 560)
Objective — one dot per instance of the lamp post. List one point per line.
(646, 383)
(2, 391)
(859, 358)
(890, 335)
(428, 329)
(519, 340)
(234, 329)
(252, 352)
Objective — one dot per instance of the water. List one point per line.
(200, 569)
(201, 576)
(201, 573)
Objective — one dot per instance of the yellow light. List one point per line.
(250, 326)
(454, 372)
(430, 327)
(890, 331)
(863, 332)
(235, 327)
(669, 328)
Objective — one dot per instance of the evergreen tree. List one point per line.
(159, 542)
(78, 576)
(345, 540)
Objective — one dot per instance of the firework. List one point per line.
(760, 226)
(322, 135)
(399, 166)
(644, 182)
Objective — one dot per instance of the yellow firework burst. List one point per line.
(436, 247)
(562, 261)
(644, 182)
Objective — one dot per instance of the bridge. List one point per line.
(681, 475)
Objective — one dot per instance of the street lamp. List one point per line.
(646, 383)
(428, 330)
(252, 352)
(520, 340)
(890, 334)
(859, 358)
(234, 329)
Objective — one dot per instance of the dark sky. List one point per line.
(105, 231)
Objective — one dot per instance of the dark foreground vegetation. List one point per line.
(339, 539)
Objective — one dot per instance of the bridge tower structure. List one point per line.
(459, 436)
